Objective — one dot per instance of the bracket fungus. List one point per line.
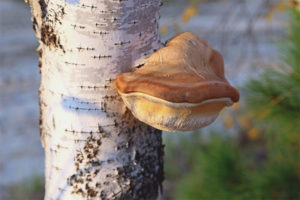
(181, 87)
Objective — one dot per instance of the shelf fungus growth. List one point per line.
(181, 87)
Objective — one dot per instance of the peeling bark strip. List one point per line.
(94, 148)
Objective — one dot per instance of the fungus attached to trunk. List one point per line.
(181, 87)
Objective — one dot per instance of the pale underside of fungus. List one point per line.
(181, 87)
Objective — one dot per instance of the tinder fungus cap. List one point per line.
(181, 87)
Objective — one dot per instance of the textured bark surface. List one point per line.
(94, 148)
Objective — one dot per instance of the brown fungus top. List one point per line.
(186, 70)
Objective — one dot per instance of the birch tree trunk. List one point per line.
(94, 148)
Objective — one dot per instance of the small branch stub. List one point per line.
(181, 87)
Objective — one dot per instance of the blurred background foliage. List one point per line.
(30, 189)
(255, 155)
(262, 160)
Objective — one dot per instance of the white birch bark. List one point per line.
(94, 148)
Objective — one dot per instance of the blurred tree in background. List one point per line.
(263, 161)
(274, 100)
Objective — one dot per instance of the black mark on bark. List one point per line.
(50, 38)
